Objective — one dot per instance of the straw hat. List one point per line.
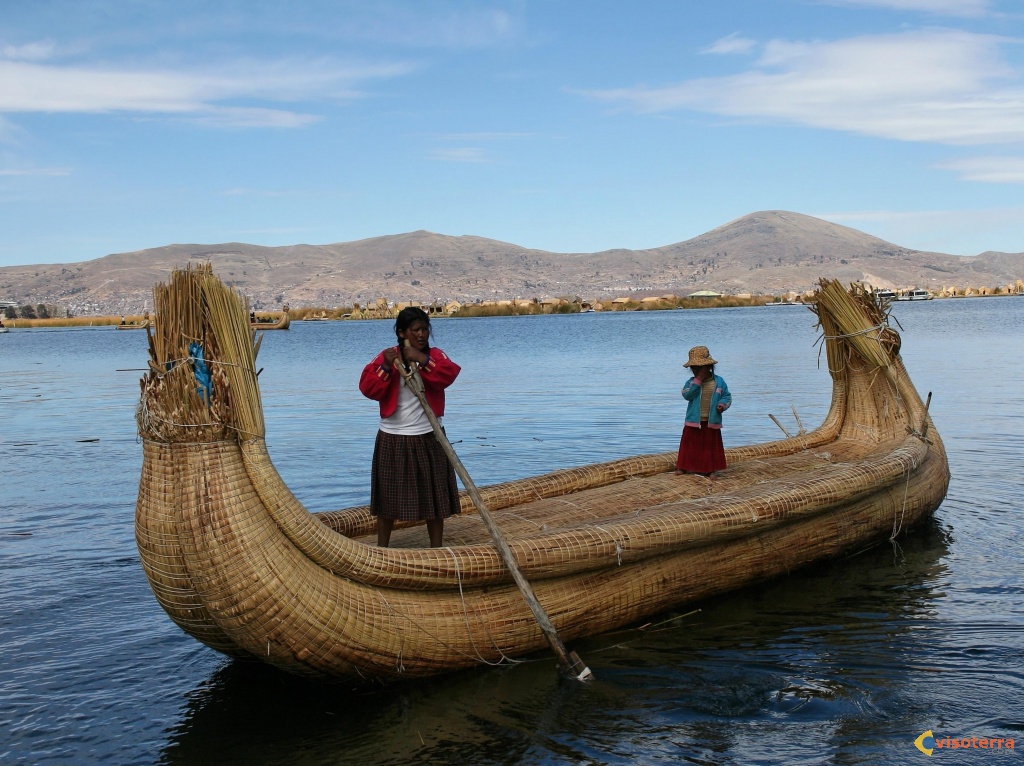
(700, 357)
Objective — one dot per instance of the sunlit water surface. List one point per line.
(846, 663)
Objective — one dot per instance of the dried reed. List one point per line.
(238, 562)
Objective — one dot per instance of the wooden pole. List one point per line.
(775, 420)
(570, 662)
(924, 418)
(799, 424)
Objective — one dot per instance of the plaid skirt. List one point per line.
(701, 450)
(412, 478)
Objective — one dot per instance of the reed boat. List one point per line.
(272, 322)
(133, 325)
(238, 563)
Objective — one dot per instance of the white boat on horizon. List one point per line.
(915, 295)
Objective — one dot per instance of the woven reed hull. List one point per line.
(281, 324)
(238, 562)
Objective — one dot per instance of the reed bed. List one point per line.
(96, 321)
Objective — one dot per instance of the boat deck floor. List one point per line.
(626, 499)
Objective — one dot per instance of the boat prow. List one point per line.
(271, 321)
(238, 562)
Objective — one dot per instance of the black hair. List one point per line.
(408, 315)
(404, 320)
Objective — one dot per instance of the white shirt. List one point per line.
(408, 419)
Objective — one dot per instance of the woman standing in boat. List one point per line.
(700, 448)
(411, 478)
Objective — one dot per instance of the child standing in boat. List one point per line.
(700, 448)
(411, 477)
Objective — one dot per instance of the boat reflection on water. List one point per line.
(834, 645)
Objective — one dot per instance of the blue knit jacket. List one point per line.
(691, 393)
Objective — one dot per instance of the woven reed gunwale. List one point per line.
(237, 561)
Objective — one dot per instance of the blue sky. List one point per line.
(570, 126)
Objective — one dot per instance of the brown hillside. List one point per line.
(765, 252)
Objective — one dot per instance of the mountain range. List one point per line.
(769, 252)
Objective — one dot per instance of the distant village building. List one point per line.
(705, 294)
(550, 304)
(379, 309)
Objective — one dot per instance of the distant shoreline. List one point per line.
(139, 321)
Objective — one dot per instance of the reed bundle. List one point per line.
(857, 322)
(201, 322)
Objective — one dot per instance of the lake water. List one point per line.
(843, 663)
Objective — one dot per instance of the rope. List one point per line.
(897, 523)
(876, 328)
(618, 543)
(400, 665)
(469, 630)
(178, 362)
(149, 417)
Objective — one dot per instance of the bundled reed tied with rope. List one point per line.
(202, 382)
(858, 324)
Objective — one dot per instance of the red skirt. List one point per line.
(701, 450)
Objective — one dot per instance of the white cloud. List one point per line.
(731, 44)
(998, 170)
(32, 87)
(484, 136)
(940, 231)
(38, 51)
(414, 25)
(240, 117)
(463, 154)
(10, 133)
(934, 7)
(35, 172)
(940, 86)
(241, 191)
